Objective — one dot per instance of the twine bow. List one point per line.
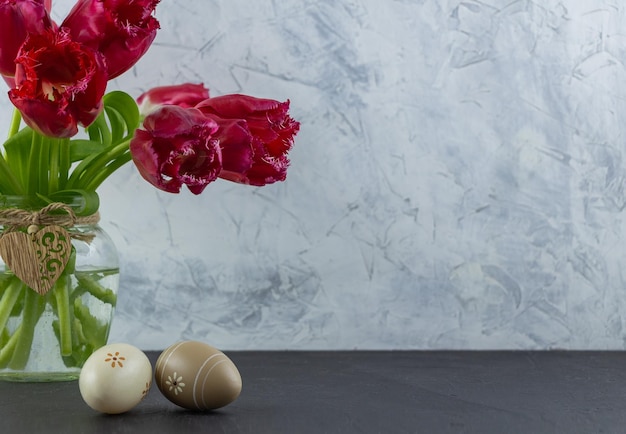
(15, 218)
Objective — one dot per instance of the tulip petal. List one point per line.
(269, 137)
(176, 146)
(121, 30)
(183, 95)
(58, 84)
(17, 21)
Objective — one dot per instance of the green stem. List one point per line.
(98, 179)
(33, 304)
(95, 289)
(64, 162)
(99, 130)
(89, 171)
(8, 300)
(62, 296)
(44, 165)
(94, 334)
(54, 165)
(6, 278)
(11, 184)
(16, 120)
(33, 163)
(9, 349)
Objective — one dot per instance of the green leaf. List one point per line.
(33, 168)
(43, 165)
(99, 130)
(82, 148)
(17, 150)
(118, 127)
(122, 113)
(82, 202)
(79, 170)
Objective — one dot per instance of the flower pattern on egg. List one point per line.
(115, 359)
(144, 393)
(175, 383)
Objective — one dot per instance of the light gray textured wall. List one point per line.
(458, 182)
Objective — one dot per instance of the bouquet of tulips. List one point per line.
(68, 134)
(57, 76)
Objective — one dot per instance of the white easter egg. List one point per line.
(115, 378)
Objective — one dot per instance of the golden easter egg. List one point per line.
(197, 376)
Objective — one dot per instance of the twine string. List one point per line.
(14, 218)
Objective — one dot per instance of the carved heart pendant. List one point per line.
(39, 257)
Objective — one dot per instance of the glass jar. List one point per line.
(48, 337)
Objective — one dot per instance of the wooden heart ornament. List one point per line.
(38, 257)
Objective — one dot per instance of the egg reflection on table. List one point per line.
(197, 376)
(115, 378)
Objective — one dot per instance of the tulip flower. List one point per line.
(254, 130)
(177, 146)
(122, 30)
(59, 84)
(18, 19)
(183, 95)
(46, 3)
(10, 81)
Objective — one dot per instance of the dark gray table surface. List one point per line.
(363, 392)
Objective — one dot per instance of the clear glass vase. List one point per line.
(49, 337)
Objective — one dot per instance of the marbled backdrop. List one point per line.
(459, 181)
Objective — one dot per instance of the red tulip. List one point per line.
(59, 84)
(10, 81)
(122, 30)
(177, 146)
(18, 19)
(183, 95)
(46, 3)
(255, 136)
